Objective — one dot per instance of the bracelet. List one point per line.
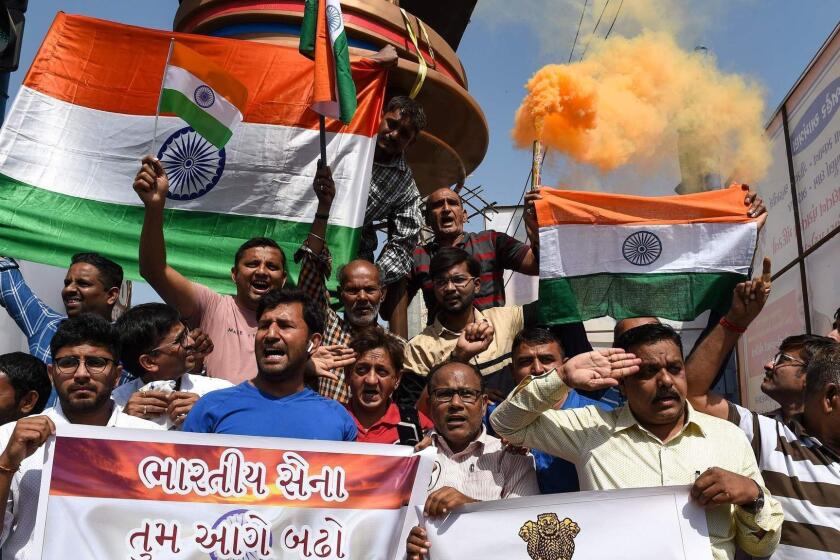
(320, 216)
(8, 470)
(730, 326)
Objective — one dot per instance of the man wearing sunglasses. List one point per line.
(471, 466)
(85, 355)
(158, 348)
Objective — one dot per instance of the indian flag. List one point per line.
(85, 115)
(202, 93)
(322, 38)
(628, 256)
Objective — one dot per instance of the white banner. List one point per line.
(587, 525)
(109, 493)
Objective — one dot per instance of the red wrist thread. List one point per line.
(728, 325)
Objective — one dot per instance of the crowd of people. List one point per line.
(513, 408)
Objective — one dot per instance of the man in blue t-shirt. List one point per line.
(536, 351)
(276, 402)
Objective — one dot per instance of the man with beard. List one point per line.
(259, 265)
(24, 386)
(360, 291)
(372, 379)
(91, 285)
(656, 439)
(276, 403)
(84, 369)
(471, 466)
(159, 350)
(461, 332)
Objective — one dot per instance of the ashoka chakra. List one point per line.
(641, 248)
(193, 164)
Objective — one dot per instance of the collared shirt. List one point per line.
(312, 281)
(804, 475)
(384, 430)
(612, 450)
(36, 319)
(17, 538)
(393, 197)
(495, 252)
(484, 470)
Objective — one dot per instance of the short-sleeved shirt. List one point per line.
(245, 410)
(18, 539)
(494, 251)
(232, 328)
(484, 470)
(804, 475)
(189, 383)
(385, 429)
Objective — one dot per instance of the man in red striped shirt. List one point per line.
(495, 251)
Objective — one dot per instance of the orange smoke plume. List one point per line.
(628, 100)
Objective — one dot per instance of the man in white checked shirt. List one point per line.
(471, 466)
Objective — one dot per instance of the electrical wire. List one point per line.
(574, 43)
(594, 29)
(614, 20)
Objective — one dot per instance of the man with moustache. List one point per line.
(259, 265)
(360, 291)
(656, 439)
(91, 285)
(372, 379)
(471, 466)
(159, 350)
(276, 403)
(84, 369)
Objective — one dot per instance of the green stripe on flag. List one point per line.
(173, 101)
(309, 28)
(46, 227)
(344, 80)
(679, 297)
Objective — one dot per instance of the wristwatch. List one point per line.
(755, 506)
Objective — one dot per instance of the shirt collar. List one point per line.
(475, 447)
(399, 162)
(433, 246)
(112, 421)
(440, 330)
(797, 426)
(627, 420)
(390, 418)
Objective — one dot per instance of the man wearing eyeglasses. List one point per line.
(158, 348)
(471, 466)
(85, 352)
(461, 331)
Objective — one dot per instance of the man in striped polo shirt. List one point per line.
(800, 459)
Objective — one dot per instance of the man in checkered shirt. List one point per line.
(393, 196)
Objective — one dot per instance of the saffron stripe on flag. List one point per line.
(173, 101)
(211, 74)
(679, 297)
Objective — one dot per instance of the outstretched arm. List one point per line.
(30, 313)
(748, 300)
(151, 185)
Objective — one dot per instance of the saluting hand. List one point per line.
(599, 369)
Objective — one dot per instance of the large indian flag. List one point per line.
(629, 256)
(85, 115)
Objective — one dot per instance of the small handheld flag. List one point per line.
(205, 95)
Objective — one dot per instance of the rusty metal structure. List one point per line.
(457, 136)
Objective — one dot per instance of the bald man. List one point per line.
(360, 291)
(495, 251)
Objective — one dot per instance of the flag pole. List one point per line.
(323, 126)
(157, 108)
(536, 165)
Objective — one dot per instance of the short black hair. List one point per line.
(447, 257)
(86, 328)
(312, 314)
(141, 329)
(259, 242)
(27, 373)
(377, 337)
(809, 343)
(533, 336)
(110, 272)
(824, 368)
(481, 381)
(648, 334)
(410, 108)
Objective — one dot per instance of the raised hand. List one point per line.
(324, 189)
(29, 434)
(151, 183)
(599, 369)
(474, 340)
(749, 297)
(755, 206)
(327, 358)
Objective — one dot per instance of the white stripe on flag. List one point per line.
(221, 109)
(582, 249)
(87, 153)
